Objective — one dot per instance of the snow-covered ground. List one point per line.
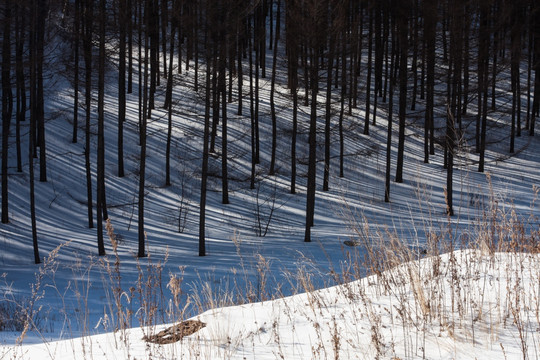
(434, 308)
(273, 296)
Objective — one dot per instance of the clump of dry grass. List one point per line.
(411, 297)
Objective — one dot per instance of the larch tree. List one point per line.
(402, 12)
(7, 104)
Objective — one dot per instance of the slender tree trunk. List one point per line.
(517, 16)
(121, 85)
(368, 80)
(40, 47)
(430, 26)
(536, 101)
(312, 171)
(21, 85)
(215, 101)
(530, 51)
(257, 43)
(466, 62)
(142, 164)
(169, 108)
(222, 88)
(379, 57)
(76, 38)
(152, 16)
(239, 50)
(32, 130)
(7, 105)
(416, 43)
(342, 105)
(101, 130)
(273, 90)
(292, 48)
(403, 49)
(389, 142)
(204, 167)
(164, 23)
(252, 109)
(483, 86)
(87, 43)
(328, 113)
(129, 26)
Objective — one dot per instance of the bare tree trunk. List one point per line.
(21, 85)
(342, 103)
(328, 110)
(40, 48)
(416, 43)
(310, 203)
(389, 142)
(252, 109)
(168, 102)
(7, 105)
(121, 84)
(101, 130)
(403, 49)
(31, 133)
(273, 90)
(483, 61)
(292, 51)
(142, 164)
(76, 38)
(368, 80)
(129, 26)
(204, 167)
(87, 43)
(430, 26)
(222, 88)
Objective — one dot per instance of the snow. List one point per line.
(433, 308)
(430, 288)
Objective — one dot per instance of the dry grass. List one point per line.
(410, 300)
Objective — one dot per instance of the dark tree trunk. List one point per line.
(389, 142)
(168, 102)
(204, 167)
(466, 63)
(87, 43)
(416, 43)
(517, 16)
(121, 84)
(222, 89)
(317, 38)
(7, 105)
(292, 51)
(403, 49)
(76, 40)
(368, 80)
(252, 110)
(129, 26)
(239, 51)
(258, 64)
(31, 133)
(430, 25)
(141, 252)
(100, 195)
(164, 23)
(273, 90)
(21, 82)
(328, 112)
(342, 105)
(311, 180)
(483, 61)
(40, 48)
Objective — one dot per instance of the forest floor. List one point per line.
(415, 284)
